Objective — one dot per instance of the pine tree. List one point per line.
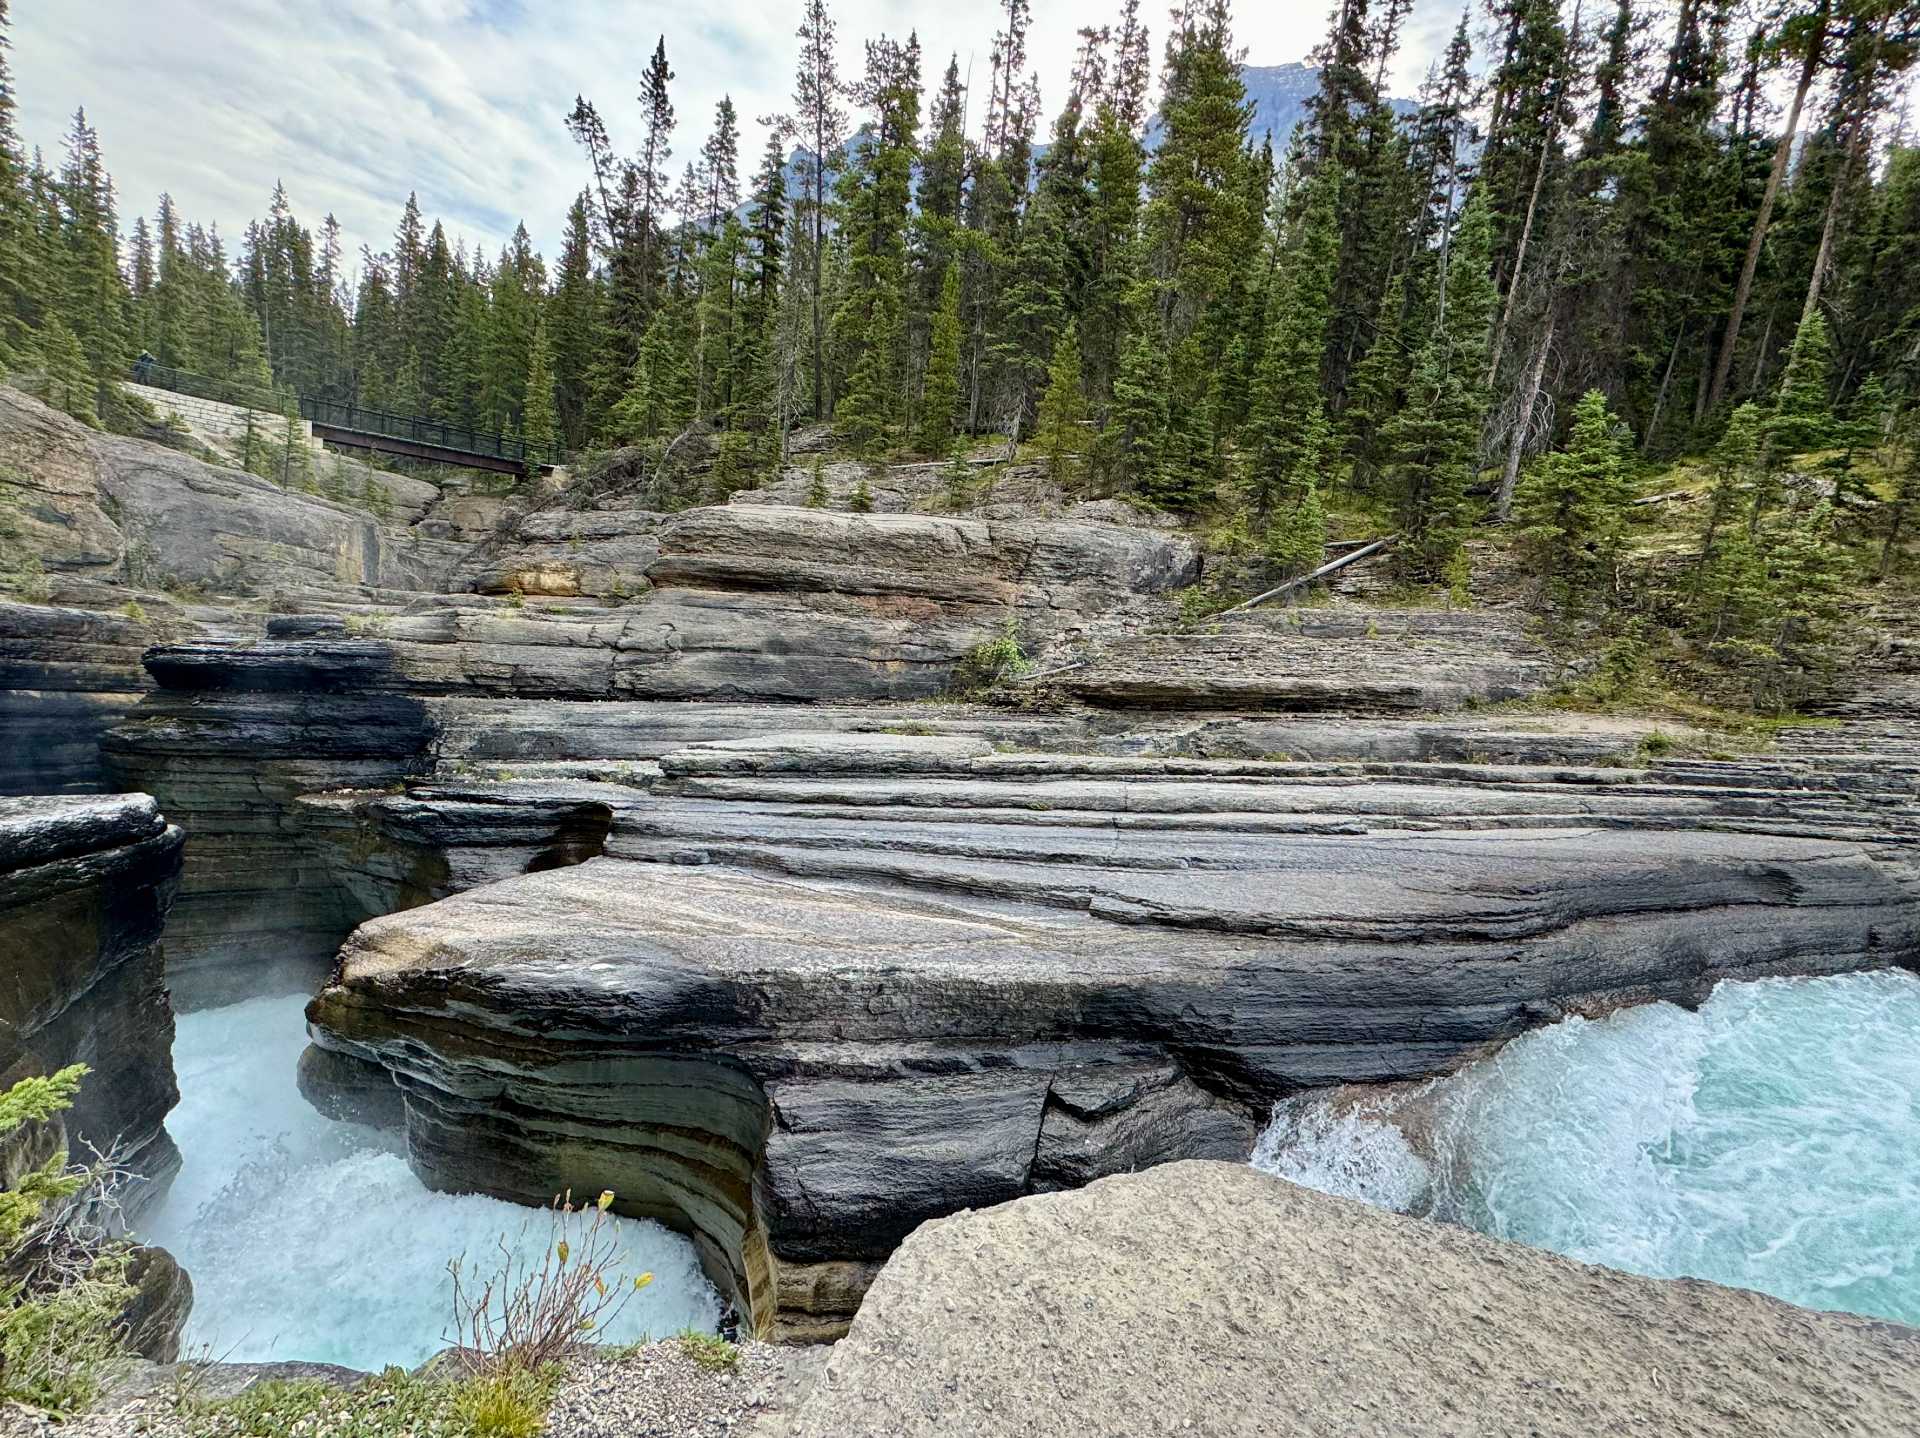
(1572, 508)
(1433, 442)
(821, 123)
(538, 420)
(1060, 432)
(940, 393)
(817, 494)
(1803, 411)
(1287, 408)
(1137, 418)
(68, 382)
(20, 282)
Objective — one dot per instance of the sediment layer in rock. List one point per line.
(835, 985)
(85, 886)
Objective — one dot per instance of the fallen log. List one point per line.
(1365, 551)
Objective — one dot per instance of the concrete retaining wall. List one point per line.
(221, 424)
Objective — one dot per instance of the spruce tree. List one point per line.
(875, 200)
(1433, 442)
(1294, 535)
(1137, 418)
(1803, 410)
(538, 424)
(940, 392)
(1287, 411)
(575, 313)
(1572, 507)
(90, 295)
(821, 123)
(68, 382)
(20, 283)
(1060, 432)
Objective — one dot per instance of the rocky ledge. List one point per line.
(85, 885)
(1210, 1298)
(821, 988)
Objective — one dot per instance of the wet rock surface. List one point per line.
(85, 886)
(836, 984)
(1214, 1299)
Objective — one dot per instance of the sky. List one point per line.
(354, 103)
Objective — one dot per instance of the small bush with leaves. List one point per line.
(1000, 657)
(527, 1313)
(709, 1350)
(64, 1292)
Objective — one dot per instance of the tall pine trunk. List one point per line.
(1536, 378)
(1782, 153)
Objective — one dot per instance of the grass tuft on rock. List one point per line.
(710, 1351)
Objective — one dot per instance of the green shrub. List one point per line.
(709, 1350)
(65, 1290)
(992, 660)
(509, 1403)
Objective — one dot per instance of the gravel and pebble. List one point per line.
(655, 1390)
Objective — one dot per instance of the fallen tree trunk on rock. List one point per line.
(1332, 566)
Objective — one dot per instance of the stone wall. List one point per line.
(222, 424)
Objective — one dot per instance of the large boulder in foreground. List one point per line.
(1209, 1298)
(85, 886)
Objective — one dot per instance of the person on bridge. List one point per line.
(143, 366)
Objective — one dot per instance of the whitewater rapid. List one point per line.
(1770, 1140)
(310, 1239)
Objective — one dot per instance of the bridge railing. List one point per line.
(438, 434)
(220, 391)
(359, 419)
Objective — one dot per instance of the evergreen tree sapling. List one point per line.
(1572, 507)
(1060, 431)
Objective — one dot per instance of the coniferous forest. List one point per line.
(1605, 236)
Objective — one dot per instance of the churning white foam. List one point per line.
(1771, 1140)
(310, 1239)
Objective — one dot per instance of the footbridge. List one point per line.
(355, 426)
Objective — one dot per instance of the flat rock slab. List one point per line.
(1212, 1299)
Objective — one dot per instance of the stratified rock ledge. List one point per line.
(1209, 1298)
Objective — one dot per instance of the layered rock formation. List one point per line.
(746, 603)
(103, 507)
(111, 545)
(85, 885)
(1213, 1299)
(835, 985)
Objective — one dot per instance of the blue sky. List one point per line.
(352, 103)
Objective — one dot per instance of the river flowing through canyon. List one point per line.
(1765, 1141)
(311, 1239)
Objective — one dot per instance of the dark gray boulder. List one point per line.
(85, 887)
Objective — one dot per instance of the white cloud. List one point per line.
(352, 103)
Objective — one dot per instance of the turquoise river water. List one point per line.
(1770, 1140)
(310, 1239)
